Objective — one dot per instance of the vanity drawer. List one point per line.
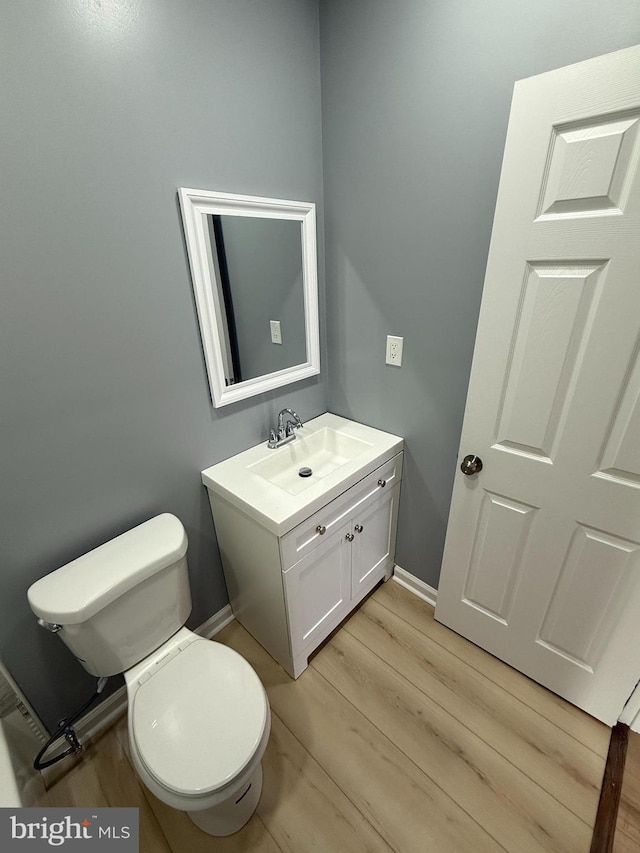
(307, 535)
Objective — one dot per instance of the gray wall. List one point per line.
(105, 416)
(416, 97)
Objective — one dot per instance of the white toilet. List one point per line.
(199, 718)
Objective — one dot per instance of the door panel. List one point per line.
(583, 608)
(541, 563)
(318, 591)
(550, 330)
(499, 543)
(373, 547)
(621, 455)
(591, 167)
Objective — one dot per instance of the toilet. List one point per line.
(199, 718)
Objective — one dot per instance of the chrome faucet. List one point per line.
(288, 420)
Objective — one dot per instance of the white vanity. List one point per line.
(299, 551)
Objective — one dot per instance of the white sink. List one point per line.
(320, 452)
(266, 484)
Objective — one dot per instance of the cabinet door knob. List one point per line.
(349, 537)
(382, 482)
(358, 528)
(321, 529)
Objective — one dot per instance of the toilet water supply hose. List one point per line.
(65, 729)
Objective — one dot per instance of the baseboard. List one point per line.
(415, 585)
(216, 623)
(86, 728)
(93, 722)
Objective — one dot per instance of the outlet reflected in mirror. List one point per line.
(253, 267)
(257, 268)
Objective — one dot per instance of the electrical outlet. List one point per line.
(276, 332)
(394, 350)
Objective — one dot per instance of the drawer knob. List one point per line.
(321, 529)
(349, 537)
(382, 482)
(358, 528)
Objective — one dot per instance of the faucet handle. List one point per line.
(297, 424)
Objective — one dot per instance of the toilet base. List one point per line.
(232, 814)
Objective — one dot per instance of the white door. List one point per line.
(542, 557)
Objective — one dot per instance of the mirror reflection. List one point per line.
(254, 272)
(257, 268)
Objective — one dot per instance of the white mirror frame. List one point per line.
(196, 205)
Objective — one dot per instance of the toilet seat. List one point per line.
(198, 719)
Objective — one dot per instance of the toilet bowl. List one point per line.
(199, 722)
(199, 718)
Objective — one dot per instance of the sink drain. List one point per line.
(305, 472)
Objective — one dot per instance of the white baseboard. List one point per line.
(415, 585)
(94, 721)
(216, 623)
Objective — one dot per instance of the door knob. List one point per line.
(471, 465)
(349, 537)
(358, 528)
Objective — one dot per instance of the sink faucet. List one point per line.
(288, 420)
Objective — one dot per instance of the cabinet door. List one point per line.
(373, 546)
(317, 591)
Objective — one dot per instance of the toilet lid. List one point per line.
(198, 721)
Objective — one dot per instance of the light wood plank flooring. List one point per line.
(400, 736)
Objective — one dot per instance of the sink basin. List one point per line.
(322, 452)
(266, 485)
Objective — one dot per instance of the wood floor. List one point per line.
(400, 736)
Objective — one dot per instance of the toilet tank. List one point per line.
(121, 601)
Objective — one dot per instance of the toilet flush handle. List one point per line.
(50, 626)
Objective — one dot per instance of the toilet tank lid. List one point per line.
(77, 591)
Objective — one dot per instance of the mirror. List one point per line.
(253, 267)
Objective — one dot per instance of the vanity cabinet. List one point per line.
(291, 591)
